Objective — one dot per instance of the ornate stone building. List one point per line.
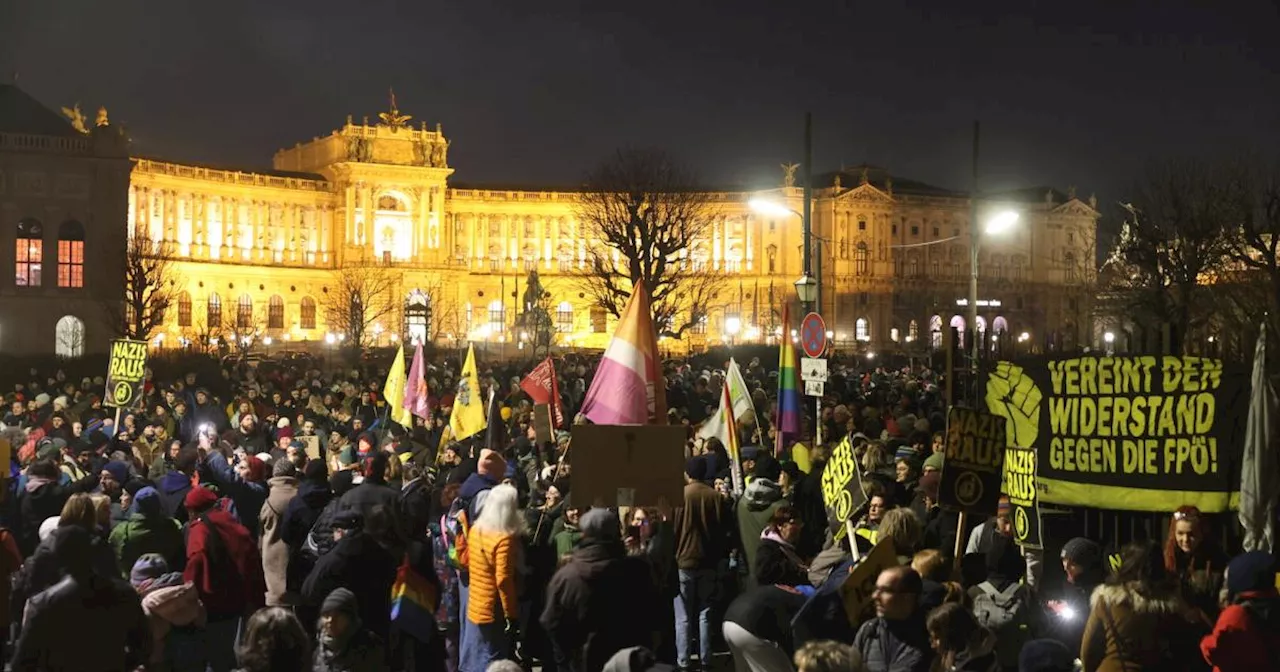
(263, 250)
(63, 189)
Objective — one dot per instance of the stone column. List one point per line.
(367, 234)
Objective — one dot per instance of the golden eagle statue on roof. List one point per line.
(392, 117)
(76, 117)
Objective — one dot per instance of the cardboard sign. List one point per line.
(126, 372)
(971, 474)
(640, 464)
(542, 423)
(861, 584)
(312, 446)
(1018, 483)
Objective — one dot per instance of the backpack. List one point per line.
(454, 527)
(1007, 615)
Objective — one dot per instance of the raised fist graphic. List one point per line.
(1012, 395)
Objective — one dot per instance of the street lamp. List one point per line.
(998, 224)
(1110, 338)
(807, 289)
(775, 209)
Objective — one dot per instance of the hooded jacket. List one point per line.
(111, 631)
(1133, 631)
(169, 607)
(224, 564)
(248, 496)
(362, 565)
(173, 488)
(1247, 634)
(275, 550)
(600, 602)
(777, 562)
(759, 500)
(147, 530)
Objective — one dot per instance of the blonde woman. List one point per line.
(493, 546)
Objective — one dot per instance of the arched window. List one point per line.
(935, 332)
(1069, 266)
(957, 323)
(497, 317)
(417, 315)
(69, 337)
(894, 334)
(913, 266)
(244, 312)
(307, 319)
(862, 329)
(564, 317)
(999, 326)
(30, 253)
(71, 254)
(213, 315)
(982, 325)
(860, 266)
(913, 331)
(275, 312)
(184, 309)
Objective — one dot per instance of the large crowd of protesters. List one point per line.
(269, 519)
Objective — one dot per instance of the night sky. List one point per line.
(1080, 93)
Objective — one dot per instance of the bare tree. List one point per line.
(200, 337)
(149, 289)
(1172, 239)
(644, 215)
(1250, 285)
(245, 330)
(359, 297)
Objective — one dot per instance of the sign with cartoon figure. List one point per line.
(1141, 433)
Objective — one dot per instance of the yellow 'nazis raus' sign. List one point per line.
(126, 372)
(1147, 433)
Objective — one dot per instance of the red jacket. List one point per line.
(1241, 641)
(227, 571)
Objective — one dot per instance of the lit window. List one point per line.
(497, 317)
(30, 253)
(184, 310)
(913, 331)
(244, 312)
(71, 254)
(862, 329)
(860, 265)
(275, 313)
(213, 316)
(307, 319)
(564, 317)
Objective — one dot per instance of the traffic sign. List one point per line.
(813, 388)
(813, 368)
(813, 335)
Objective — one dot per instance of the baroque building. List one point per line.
(63, 198)
(262, 251)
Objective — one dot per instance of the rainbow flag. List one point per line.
(788, 386)
(628, 388)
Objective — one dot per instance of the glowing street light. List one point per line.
(330, 338)
(770, 208)
(1001, 223)
(732, 325)
(1109, 338)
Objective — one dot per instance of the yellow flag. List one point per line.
(468, 416)
(393, 392)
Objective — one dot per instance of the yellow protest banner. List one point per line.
(126, 372)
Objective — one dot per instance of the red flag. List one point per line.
(541, 385)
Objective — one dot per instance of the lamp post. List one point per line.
(812, 289)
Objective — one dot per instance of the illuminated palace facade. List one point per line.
(263, 248)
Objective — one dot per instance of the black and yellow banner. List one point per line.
(841, 487)
(975, 446)
(126, 373)
(1144, 433)
(1018, 483)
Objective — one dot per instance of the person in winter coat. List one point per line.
(489, 625)
(570, 534)
(755, 509)
(148, 530)
(275, 551)
(702, 532)
(1138, 621)
(174, 485)
(1247, 634)
(961, 644)
(1197, 561)
(601, 601)
(314, 494)
(41, 498)
(343, 644)
(274, 641)
(757, 627)
(224, 565)
(363, 561)
(895, 640)
(415, 500)
(777, 562)
(1082, 565)
(246, 485)
(175, 613)
(373, 490)
(111, 631)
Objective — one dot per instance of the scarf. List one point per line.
(162, 581)
(771, 533)
(34, 482)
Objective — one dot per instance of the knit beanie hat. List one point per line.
(316, 471)
(1046, 655)
(147, 502)
(904, 453)
(342, 600)
(149, 566)
(600, 523)
(1084, 552)
(199, 499)
(934, 462)
(48, 526)
(118, 471)
(696, 468)
(492, 464)
(1252, 571)
(930, 483)
(284, 468)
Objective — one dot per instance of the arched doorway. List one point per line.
(417, 317)
(957, 323)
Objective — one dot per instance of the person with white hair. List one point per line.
(490, 628)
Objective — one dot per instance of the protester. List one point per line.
(702, 539)
(490, 624)
(1082, 565)
(175, 613)
(757, 627)
(777, 561)
(1247, 634)
(274, 641)
(343, 643)
(895, 640)
(960, 643)
(755, 509)
(148, 530)
(283, 487)
(828, 656)
(1196, 561)
(364, 561)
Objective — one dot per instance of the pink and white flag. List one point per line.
(628, 388)
(415, 387)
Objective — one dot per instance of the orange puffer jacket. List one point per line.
(492, 561)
